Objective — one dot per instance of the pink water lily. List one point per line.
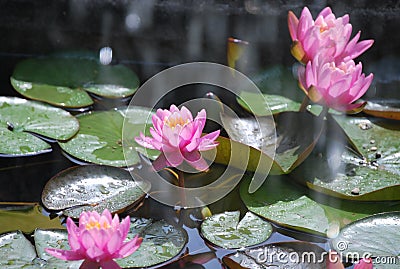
(327, 35)
(178, 136)
(335, 86)
(98, 240)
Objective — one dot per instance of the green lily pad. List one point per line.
(294, 206)
(376, 235)
(257, 103)
(293, 143)
(16, 251)
(370, 172)
(161, 242)
(62, 81)
(92, 188)
(99, 139)
(55, 238)
(25, 218)
(278, 255)
(226, 231)
(54, 95)
(19, 118)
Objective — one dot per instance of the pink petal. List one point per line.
(293, 23)
(129, 247)
(305, 22)
(174, 158)
(86, 240)
(325, 12)
(107, 215)
(207, 142)
(114, 243)
(66, 255)
(160, 163)
(333, 261)
(145, 141)
(87, 264)
(124, 227)
(195, 160)
(186, 114)
(94, 253)
(110, 264)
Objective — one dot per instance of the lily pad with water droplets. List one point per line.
(369, 172)
(99, 139)
(226, 231)
(20, 118)
(377, 235)
(16, 251)
(92, 188)
(292, 143)
(62, 81)
(278, 255)
(282, 201)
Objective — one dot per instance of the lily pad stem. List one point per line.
(304, 104)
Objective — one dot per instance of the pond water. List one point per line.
(150, 36)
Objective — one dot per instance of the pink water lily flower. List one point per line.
(335, 86)
(327, 34)
(178, 136)
(98, 240)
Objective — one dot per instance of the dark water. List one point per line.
(169, 33)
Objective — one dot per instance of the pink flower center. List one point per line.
(175, 119)
(95, 224)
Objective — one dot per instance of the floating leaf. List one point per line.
(293, 206)
(161, 242)
(258, 103)
(16, 251)
(377, 235)
(279, 255)
(25, 218)
(99, 139)
(20, 117)
(55, 238)
(61, 81)
(293, 142)
(226, 231)
(92, 188)
(345, 173)
(235, 50)
(389, 109)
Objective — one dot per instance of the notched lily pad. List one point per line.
(293, 142)
(63, 81)
(16, 251)
(161, 242)
(92, 188)
(226, 231)
(279, 255)
(287, 204)
(377, 235)
(20, 119)
(99, 139)
(368, 171)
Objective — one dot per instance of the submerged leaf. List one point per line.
(16, 251)
(226, 231)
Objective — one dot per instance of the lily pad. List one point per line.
(16, 251)
(19, 118)
(62, 81)
(226, 231)
(161, 242)
(293, 143)
(383, 108)
(278, 255)
(92, 188)
(55, 238)
(296, 207)
(99, 139)
(369, 172)
(377, 235)
(25, 218)
(257, 103)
